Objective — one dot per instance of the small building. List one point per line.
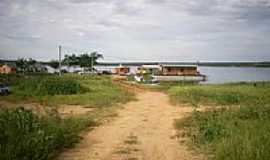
(121, 70)
(4, 69)
(149, 69)
(176, 70)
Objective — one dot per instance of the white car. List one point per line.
(88, 73)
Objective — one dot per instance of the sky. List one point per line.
(137, 30)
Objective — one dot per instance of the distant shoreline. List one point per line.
(206, 64)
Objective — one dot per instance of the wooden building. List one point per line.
(149, 69)
(4, 69)
(121, 70)
(179, 70)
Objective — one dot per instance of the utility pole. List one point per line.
(59, 53)
(92, 62)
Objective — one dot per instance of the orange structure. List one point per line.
(121, 70)
(7, 69)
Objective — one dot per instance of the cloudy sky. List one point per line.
(134, 30)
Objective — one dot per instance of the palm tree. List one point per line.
(85, 61)
(94, 57)
(89, 60)
(21, 64)
(30, 64)
(54, 64)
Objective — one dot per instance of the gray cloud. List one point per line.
(137, 29)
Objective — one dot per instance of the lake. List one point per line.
(234, 74)
(216, 75)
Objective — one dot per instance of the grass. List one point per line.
(93, 91)
(226, 94)
(24, 135)
(29, 135)
(239, 130)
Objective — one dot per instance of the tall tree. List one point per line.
(71, 60)
(54, 64)
(31, 65)
(21, 64)
(87, 61)
(26, 65)
(94, 57)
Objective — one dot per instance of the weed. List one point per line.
(220, 94)
(228, 133)
(94, 91)
(24, 135)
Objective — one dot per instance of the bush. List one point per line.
(24, 135)
(231, 134)
(231, 94)
(49, 86)
(93, 91)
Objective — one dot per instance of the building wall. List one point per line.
(6, 69)
(148, 70)
(179, 71)
(122, 70)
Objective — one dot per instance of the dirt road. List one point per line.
(143, 131)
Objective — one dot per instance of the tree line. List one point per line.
(84, 60)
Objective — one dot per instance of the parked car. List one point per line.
(106, 72)
(4, 89)
(88, 73)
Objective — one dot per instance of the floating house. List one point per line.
(183, 70)
(5, 69)
(166, 72)
(121, 70)
(148, 69)
(179, 73)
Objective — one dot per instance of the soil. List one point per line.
(143, 130)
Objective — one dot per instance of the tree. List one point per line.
(85, 61)
(54, 64)
(26, 65)
(21, 64)
(89, 60)
(94, 57)
(30, 65)
(71, 60)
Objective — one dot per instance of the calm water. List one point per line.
(224, 74)
(235, 74)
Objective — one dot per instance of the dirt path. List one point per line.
(143, 131)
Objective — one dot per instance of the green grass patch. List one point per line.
(24, 135)
(239, 130)
(227, 94)
(51, 85)
(230, 134)
(94, 91)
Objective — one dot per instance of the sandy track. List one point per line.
(143, 131)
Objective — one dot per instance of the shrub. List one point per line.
(49, 86)
(95, 91)
(219, 94)
(232, 134)
(24, 135)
